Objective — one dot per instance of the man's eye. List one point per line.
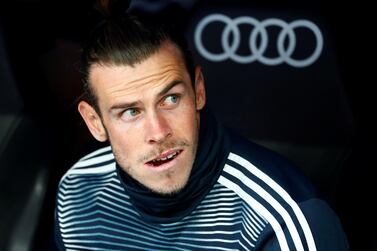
(171, 99)
(131, 112)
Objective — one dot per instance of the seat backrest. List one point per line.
(272, 75)
(23, 176)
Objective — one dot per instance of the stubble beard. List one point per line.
(169, 174)
(121, 161)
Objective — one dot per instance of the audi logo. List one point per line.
(257, 49)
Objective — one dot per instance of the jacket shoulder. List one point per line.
(264, 164)
(98, 162)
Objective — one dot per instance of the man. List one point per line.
(173, 178)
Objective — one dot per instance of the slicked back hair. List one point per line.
(127, 40)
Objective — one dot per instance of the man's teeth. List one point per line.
(170, 156)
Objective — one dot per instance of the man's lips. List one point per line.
(164, 158)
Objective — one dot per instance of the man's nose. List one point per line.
(157, 128)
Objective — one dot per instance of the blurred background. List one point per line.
(294, 76)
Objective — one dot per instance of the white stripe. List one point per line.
(128, 217)
(278, 189)
(273, 202)
(197, 213)
(220, 199)
(252, 226)
(260, 208)
(254, 216)
(67, 210)
(78, 182)
(173, 236)
(222, 204)
(79, 197)
(112, 243)
(159, 239)
(226, 193)
(99, 151)
(94, 161)
(81, 182)
(94, 170)
(67, 243)
(81, 247)
(66, 192)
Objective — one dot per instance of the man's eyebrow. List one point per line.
(169, 86)
(123, 106)
(126, 105)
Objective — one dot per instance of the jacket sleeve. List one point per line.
(325, 228)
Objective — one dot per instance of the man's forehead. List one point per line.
(167, 60)
(115, 83)
(119, 80)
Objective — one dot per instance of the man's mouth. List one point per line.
(164, 158)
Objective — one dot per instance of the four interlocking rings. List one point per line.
(257, 49)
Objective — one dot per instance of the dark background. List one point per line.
(40, 84)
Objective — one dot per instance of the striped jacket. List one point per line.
(259, 202)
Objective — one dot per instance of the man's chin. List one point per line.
(168, 191)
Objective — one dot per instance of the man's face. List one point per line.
(150, 114)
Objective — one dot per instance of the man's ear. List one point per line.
(93, 121)
(200, 91)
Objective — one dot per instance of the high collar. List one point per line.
(212, 152)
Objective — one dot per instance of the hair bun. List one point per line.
(111, 8)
